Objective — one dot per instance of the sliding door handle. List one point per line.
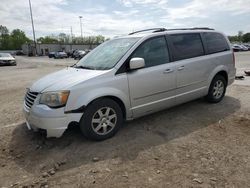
(181, 68)
(168, 71)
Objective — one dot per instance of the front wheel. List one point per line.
(101, 120)
(217, 89)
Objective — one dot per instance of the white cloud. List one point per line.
(204, 8)
(50, 18)
(55, 16)
(132, 3)
(46, 14)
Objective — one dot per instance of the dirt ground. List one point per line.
(192, 145)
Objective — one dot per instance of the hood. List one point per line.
(64, 79)
(7, 58)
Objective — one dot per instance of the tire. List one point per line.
(217, 89)
(96, 124)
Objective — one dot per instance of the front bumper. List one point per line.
(8, 64)
(53, 121)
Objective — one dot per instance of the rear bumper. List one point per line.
(231, 76)
(53, 121)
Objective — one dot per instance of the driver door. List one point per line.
(152, 88)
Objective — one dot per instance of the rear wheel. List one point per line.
(101, 120)
(217, 89)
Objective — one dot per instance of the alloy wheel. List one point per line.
(218, 89)
(104, 120)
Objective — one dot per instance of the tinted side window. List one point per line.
(187, 45)
(154, 51)
(215, 42)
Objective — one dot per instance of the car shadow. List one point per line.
(33, 152)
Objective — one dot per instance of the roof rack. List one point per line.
(163, 29)
(192, 28)
(152, 29)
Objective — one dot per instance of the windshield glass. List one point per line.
(106, 55)
(5, 55)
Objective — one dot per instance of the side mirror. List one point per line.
(136, 63)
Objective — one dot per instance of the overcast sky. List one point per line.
(116, 17)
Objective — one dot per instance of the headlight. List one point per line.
(54, 99)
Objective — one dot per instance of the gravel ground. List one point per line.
(192, 145)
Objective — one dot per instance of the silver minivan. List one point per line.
(129, 77)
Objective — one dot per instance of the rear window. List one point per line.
(215, 42)
(187, 45)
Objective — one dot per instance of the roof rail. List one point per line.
(193, 28)
(163, 29)
(152, 29)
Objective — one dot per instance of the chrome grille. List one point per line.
(30, 97)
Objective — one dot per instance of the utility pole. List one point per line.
(80, 17)
(34, 36)
(71, 32)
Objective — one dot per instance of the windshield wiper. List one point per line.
(83, 67)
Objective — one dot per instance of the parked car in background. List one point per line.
(244, 48)
(247, 46)
(19, 52)
(75, 53)
(60, 55)
(236, 48)
(7, 59)
(70, 53)
(129, 77)
(80, 54)
(51, 54)
(239, 48)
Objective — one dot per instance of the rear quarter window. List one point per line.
(215, 43)
(187, 45)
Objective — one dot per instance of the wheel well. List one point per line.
(117, 100)
(224, 74)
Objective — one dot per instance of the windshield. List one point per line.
(5, 55)
(106, 55)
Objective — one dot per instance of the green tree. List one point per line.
(246, 38)
(13, 40)
(47, 40)
(89, 40)
(4, 38)
(62, 37)
(18, 38)
(240, 35)
(3, 30)
(76, 40)
(99, 39)
(233, 38)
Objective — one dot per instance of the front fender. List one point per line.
(91, 95)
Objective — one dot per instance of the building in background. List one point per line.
(44, 49)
